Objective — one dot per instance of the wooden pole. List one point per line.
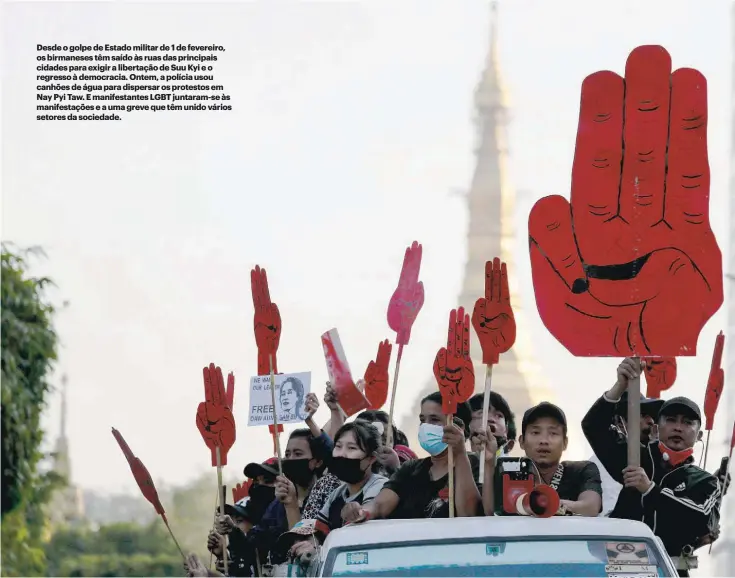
(451, 473)
(485, 414)
(389, 437)
(222, 502)
(276, 438)
(634, 419)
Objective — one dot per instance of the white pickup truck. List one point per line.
(495, 546)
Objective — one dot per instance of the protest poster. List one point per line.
(291, 390)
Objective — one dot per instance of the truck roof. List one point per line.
(494, 527)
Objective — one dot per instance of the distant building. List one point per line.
(491, 233)
(67, 505)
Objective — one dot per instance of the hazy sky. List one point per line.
(351, 129)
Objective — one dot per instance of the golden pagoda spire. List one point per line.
(491, 232)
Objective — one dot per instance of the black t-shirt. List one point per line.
(422, 497)
(579, 477)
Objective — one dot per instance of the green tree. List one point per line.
(123, 549)
(28, 350)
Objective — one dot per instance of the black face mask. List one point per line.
(260, 498)
(347, 469)
(298, 471)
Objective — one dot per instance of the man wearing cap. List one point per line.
(544, 439)
(649, 413)
(240, 518)
(675, 498)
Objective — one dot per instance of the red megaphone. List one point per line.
(541, 502)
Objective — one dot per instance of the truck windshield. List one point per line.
(554, 557)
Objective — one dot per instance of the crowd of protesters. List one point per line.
(348, 473)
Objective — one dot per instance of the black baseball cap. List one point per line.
(240, 509)
(649, 406)
(267, 469)
(544, 409)
(681, 406)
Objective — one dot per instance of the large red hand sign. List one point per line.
(492, 316)
(660, 375)
(715, 383)
(408, 298)
(141, 475)
(266, 321)
(376, 376)
(452, 365)
(631, 267)
(349, 397)
(214, 417)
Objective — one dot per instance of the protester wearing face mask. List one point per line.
(419, 489)
(301, 467)
(675, 498)
(353, 461)
(327, 482)
(544, 439)
(649, 412)
(242, 517)
(263, 490)
(500, 420)
(302, 463)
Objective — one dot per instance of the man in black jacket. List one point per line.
(675, 498)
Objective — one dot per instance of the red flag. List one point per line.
(715, 383)
(141, 475)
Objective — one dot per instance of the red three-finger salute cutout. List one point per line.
(241, 491)
(214, 416)
(266, 321)
(492, 316)
(660, 375)
(631, 267)
(141, 475)
(408, 298)
(715, 383)
(452, 366)
(376, 376)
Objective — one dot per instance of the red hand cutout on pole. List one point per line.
(408, 298)
(266, 321)
(715, 383)
(214, 417)
(632, 267)
(452, 366)
(492, 316)
(660, 375)
(141, 475)
(376, 376)
(241, 491)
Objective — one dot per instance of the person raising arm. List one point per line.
(419, 489)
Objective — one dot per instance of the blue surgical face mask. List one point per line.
(430, 438)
